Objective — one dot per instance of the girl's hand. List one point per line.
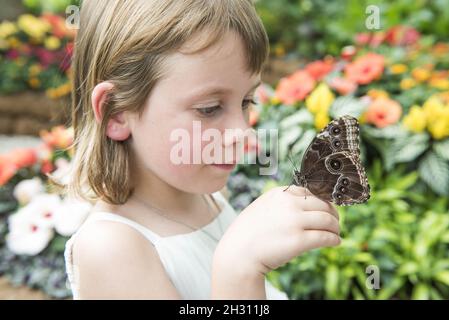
(278, 226)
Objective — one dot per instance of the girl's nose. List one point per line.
(236, 131)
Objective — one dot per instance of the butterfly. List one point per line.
(331, 168)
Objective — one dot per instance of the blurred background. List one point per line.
(385, 63)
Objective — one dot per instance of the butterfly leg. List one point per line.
(293, 181)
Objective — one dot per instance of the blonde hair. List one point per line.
(125, 42)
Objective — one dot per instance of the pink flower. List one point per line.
(383, 112)
(295, 87)
(343, 86)
(319, 69)
(366, 68)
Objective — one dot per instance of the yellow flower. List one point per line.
(398, 68)
(415, 120)
(279, 50)
(442, 84)
(275, 100)
(13, 42)
(34, 83)
(7, 28)
(376, 93)
(34, 70)
(440, 128)
(437, 115)
(320, 99)
(4, 45)
(52, 43)
(407, 83)
(321, 120)
(33, 26)
(60, 91)
(421, 74)
(433, 109)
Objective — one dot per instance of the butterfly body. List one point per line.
(331, 168)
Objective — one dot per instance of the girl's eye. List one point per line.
(208, 111)
(247, 103)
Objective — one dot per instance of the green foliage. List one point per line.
(316, 28)
(55, 6)
(401, 231)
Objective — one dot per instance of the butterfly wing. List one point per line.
(339, 178)
(337, 143)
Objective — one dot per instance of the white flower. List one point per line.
(29, 233)
(25, 190)
(62, 173)
(70, 215)
(44, 206)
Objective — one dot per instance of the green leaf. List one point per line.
(332, 281)
(287, 139)
(409, 149)
(347, 105)
(421, 292)
(407, 268)
(443, 277)
(300, 146)
(303, 116)
(435, 172)
(441, 148)
(390, 288)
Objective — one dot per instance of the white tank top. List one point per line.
(187, 257)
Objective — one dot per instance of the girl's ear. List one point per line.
(118, 126)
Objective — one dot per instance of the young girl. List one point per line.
(159, 229)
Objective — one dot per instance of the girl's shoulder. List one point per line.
(107, 254)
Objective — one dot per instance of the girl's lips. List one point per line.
(225, 166)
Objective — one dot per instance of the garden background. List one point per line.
(325, 61)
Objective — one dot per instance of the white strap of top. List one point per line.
(109, 216)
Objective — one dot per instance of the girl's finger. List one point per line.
(308, 202)
(319, 220)
(319, 238)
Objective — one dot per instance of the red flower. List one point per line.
(12, 54)
(343, 86)
(319, 69)
(23, 157)
(295, 87)
(46, 167)
(365, 69)
(402, 36)
(46, 57)
(7, 169)
(363, 38)
(383, 112)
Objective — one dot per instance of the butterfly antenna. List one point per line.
(288, 156)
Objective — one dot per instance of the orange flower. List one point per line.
(23, 157)
(295, 87)
(366, 68)
(420, 74)
(383, 112)
(319, 69)
(343, 86)
(7, 169)
(59, 137)
(46, 167)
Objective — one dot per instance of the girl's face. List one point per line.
(210, 90)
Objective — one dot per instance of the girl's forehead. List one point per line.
(225, 53)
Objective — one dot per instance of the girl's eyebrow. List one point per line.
(216, 90)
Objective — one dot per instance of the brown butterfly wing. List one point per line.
(339, 178)
(338, 142)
